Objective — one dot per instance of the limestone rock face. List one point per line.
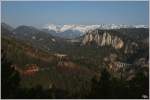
(103, 39)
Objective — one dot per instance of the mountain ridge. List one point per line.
(85, 28)
(79, 30)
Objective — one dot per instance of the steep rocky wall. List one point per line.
(104, 39)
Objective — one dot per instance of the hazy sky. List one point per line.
(80, 12)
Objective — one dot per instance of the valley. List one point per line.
(80, 63)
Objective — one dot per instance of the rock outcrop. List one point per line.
(103, 38)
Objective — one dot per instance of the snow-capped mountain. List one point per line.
(85, 28)
(82, 29)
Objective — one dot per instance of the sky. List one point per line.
(40, 13)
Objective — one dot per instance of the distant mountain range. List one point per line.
(73, 30)
(85, 28)
(67, 31)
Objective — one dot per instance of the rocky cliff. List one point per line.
(103, 38)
